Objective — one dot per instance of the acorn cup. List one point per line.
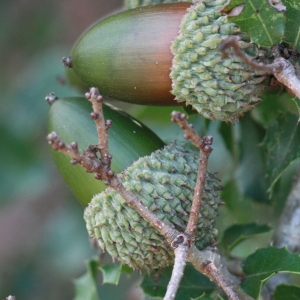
(163, 181)
(169, 53)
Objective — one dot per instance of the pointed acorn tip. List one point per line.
(67, 61)
(51, 98)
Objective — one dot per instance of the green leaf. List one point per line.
(112, 273)
(284, 292)
(240, 232)
(126, 269)
(205, 297)
(192, 285)
(85, 286)
(251, 184)
(226, 131)
(202, 297)
(264, 24)
(231, 195)
(282, 145)
(275, 102)
(292, 26)
(265, 263)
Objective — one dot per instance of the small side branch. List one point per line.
(203, 143)
(282, 69)
(102, 125)
(85, 159)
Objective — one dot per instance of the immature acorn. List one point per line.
(164, 181)
(155, 55)
(128, 141)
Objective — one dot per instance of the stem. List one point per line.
(181, 255)
(282, 69)
(191, 228)
(203, 144)
(233, 42)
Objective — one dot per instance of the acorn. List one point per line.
(164, 181)
(169, 53)
(129, 140)
(126, 60)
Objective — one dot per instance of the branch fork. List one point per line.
(97, 159)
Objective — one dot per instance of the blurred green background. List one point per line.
(43, 240)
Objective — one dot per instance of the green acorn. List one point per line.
(128, 141)
(128, 56)
(127, 62)
(165, 182)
